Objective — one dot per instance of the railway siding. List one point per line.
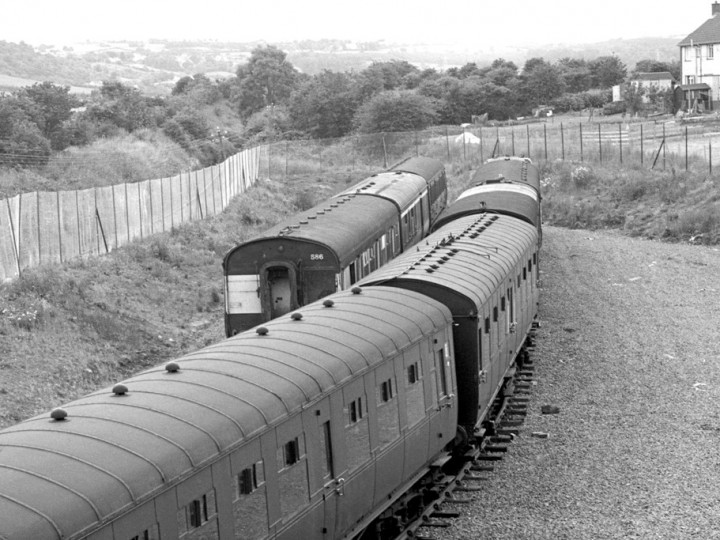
(628, 352)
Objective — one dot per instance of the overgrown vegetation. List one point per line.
(666, 205)
(63, 137)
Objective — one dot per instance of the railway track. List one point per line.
(459, 476)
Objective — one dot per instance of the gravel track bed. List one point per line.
(629, 352)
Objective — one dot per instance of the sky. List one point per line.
(475, 23)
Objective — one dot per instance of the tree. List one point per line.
(576, 74)
(49, 107)
(541, 82)
(402, 110)
(607, 71)
(122, 106)
(21, 142)
(267, 79)
(324, 105)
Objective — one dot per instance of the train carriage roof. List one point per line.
(423, 166)
(509, 169)
(61, 478)
(402, 188)
(344, 225)
(462, 263)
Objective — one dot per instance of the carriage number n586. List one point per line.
(316, 256)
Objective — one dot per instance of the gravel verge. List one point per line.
(628, 350)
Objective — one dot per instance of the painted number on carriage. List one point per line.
(316, 256)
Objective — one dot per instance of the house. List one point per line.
(699, 88)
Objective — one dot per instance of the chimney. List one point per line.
(715, 8)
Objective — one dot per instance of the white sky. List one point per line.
(467, 22)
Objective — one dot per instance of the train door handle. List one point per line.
(340, 486)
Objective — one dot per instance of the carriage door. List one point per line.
(278, 285)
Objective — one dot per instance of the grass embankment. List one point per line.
(65, 331)
(667, 205)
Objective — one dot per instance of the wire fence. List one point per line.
(648, 144)
(54, 227)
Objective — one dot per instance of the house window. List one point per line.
(710, 52)
(687, 54)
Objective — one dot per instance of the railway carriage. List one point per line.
(484, 269)
(304, 428)
(507, 185)
(331, 246)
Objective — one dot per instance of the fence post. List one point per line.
(15, 238)
(512, 140)
(77, 216)
(620, 133)
(37, 218)
(417, 145)
(663, 147)
(115, 226)
(152, 216)
(562, 141)
(582, 157)
(447, 142)
(287, 154)
(127, 212)
(642, 146)
(140, 208)
(600, 143)
(385, 162)
(710, 155)
(686, 148)
(545, 137)
(527, 126)
(59, 211)
(481, 146)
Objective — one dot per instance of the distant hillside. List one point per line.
(155, 66)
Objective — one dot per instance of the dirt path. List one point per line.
(629, 352)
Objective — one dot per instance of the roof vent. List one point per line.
(356, 290)
(262, 331)
(58, 414)
(172, 367)
(120, 389)
(296, 316)
(328, 303)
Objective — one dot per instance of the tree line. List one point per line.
(269, 99)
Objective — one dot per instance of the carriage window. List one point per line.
(495, 314)
(250, 479)
(250, 504)
(487, 325)
(524, 273)
(291, 453)
(326, 450)
(502, 304)
(414, 394)
(292, 476)
(387, 410)
(357, 433)
(519, 280)
(440, 369)
(147, 534)
(355, 410)
(386, 390)
(199, 513)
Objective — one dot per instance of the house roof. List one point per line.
(695, 86)
(708, 32)
(655, 76)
